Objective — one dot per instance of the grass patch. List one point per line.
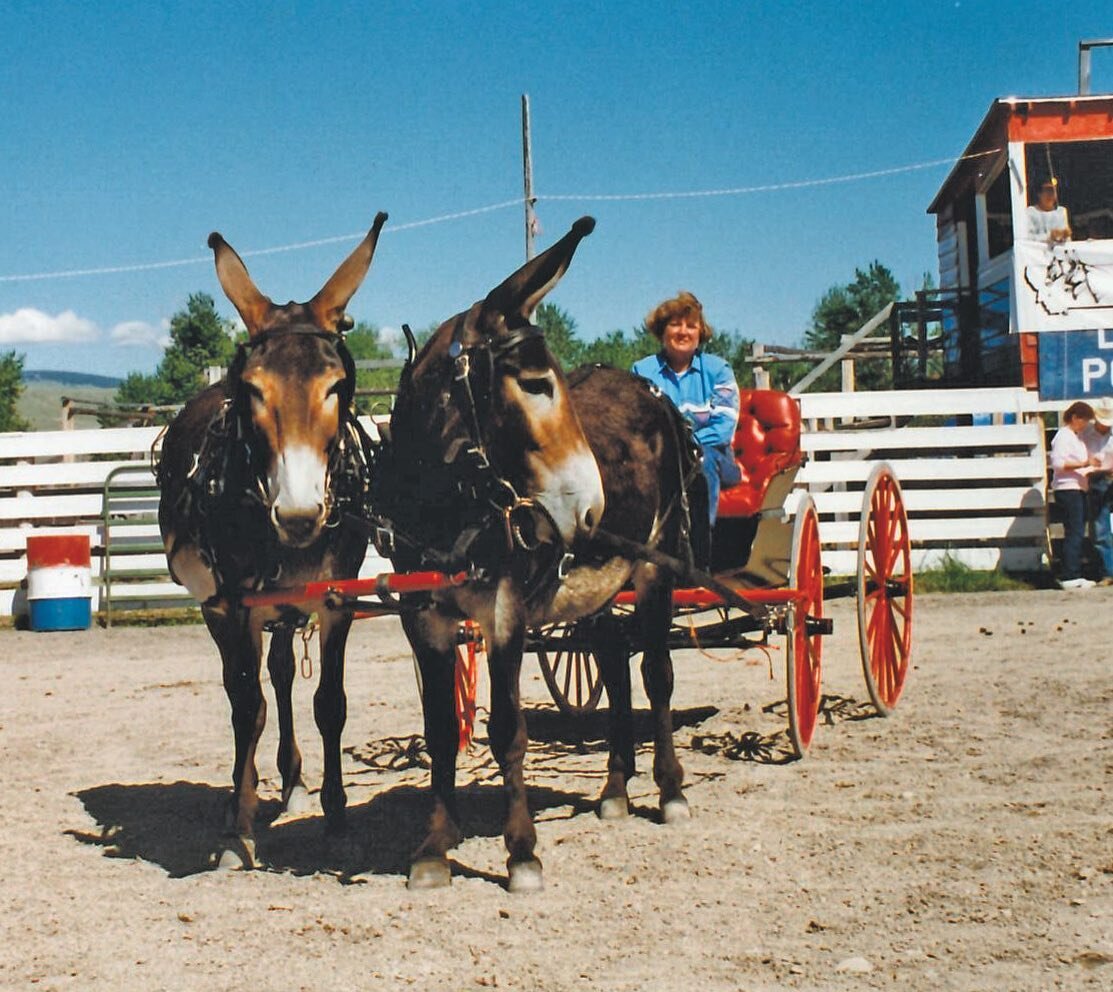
(169, 617)
(953, 575)
(176, 617)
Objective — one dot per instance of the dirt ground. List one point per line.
(964, 843)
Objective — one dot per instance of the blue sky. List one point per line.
(131, 130)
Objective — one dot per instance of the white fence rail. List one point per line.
(975, 492)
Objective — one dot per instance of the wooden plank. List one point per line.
(101, 441)
(1026, 498)
(988, 436)
(913, 402)
(15, 538)
(81, 507)
(46, 507)
(925, 559)
(1029, 467)
(958, 529)
(29, 475)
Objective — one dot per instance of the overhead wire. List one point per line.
(502, 205)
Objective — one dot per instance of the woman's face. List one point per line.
(1078, 424)
(681, 339)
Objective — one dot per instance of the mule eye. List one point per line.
(539, 386)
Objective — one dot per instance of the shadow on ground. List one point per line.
(180, 826)
(550, 726)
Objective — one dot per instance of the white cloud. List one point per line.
(30, 326)
(392, 338)
(138, 333)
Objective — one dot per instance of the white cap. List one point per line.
(1103, 409)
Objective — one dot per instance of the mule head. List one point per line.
(292, 386)
(526, 416)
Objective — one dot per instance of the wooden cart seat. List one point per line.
(766, 443)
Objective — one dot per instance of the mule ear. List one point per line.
(328, 305)
(520, 294)
(237, 285)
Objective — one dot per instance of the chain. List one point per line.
(307, 633)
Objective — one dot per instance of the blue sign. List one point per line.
(1076, 364)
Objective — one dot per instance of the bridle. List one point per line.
(227, 470)
(503, 522)
(348, 469)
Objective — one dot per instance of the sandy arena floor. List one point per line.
(966, 843)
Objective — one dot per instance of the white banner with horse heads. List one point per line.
(1063, 287)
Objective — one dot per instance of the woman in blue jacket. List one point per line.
(702, 386)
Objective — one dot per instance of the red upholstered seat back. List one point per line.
(766, 443)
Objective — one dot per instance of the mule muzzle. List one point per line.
(298, 528)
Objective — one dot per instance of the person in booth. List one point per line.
(1047, 221)
(700, 385)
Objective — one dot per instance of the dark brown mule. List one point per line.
(256, 474)
(497, 466)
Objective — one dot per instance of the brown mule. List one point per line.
(496, 465)
(256, 475)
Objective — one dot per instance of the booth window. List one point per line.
(1084, 170)
(999, 214)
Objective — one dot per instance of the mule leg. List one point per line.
(613, 655)
(240, 651)
(330, 709)
(280, 664)
(509, 738)
(433, 638)
(655, 617)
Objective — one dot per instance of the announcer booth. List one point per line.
(1032, 284)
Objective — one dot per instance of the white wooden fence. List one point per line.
(974, 485)
(974, 492)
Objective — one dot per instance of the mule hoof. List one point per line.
(675, 811)
(614, 808)
(238, 856)
(525, 876)
(298, 802)
(429, 873)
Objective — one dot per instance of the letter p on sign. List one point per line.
(1092, 368)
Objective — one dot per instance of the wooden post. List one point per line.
(67, 421)
(527, 178)
(761, 374)
(847, 366)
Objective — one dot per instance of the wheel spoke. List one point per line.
(567, 675)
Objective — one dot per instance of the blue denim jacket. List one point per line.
(705, 393)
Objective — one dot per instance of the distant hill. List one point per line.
(41, 402)
(71, 378)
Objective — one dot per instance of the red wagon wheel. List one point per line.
(884, 589)
(572, 674)
(469, 646)
(804, 649)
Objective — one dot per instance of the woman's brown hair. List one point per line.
(1078, 409)
(684, 304)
